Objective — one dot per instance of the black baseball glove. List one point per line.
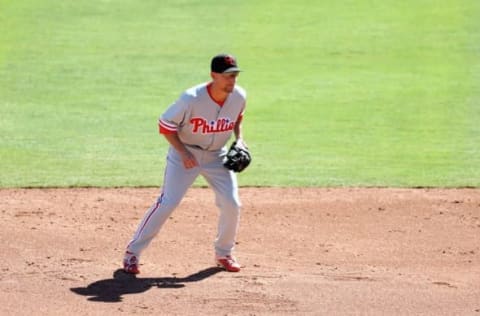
(238, 157)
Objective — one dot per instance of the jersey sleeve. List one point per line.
(164, 127)
(243, 95)
(240, 115)
(173, 118)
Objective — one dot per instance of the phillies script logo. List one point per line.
(203, 126)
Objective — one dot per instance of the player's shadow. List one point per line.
(112, 290)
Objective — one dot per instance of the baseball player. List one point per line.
(197, 127)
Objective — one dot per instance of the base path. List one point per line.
(304, 251)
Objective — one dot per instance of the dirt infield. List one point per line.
(304, 252)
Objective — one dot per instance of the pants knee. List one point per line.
(168, 200)
(232, 206)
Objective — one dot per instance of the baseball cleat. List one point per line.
(228, 263)
(130, 263)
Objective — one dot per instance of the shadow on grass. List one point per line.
(112, 290)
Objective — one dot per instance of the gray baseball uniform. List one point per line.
(205, 127)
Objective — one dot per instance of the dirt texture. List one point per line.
(304, 251)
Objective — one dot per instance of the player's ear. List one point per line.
(212, 75)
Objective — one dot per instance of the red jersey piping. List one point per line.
(220, 103)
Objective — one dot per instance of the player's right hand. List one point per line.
(188, 159)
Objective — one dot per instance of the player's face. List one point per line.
(226, 81)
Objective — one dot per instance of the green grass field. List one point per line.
(356, 93)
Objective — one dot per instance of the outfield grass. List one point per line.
(356, 93)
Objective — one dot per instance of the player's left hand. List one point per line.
(241, 143)
(238, 156)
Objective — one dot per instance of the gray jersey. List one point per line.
(200, 121)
